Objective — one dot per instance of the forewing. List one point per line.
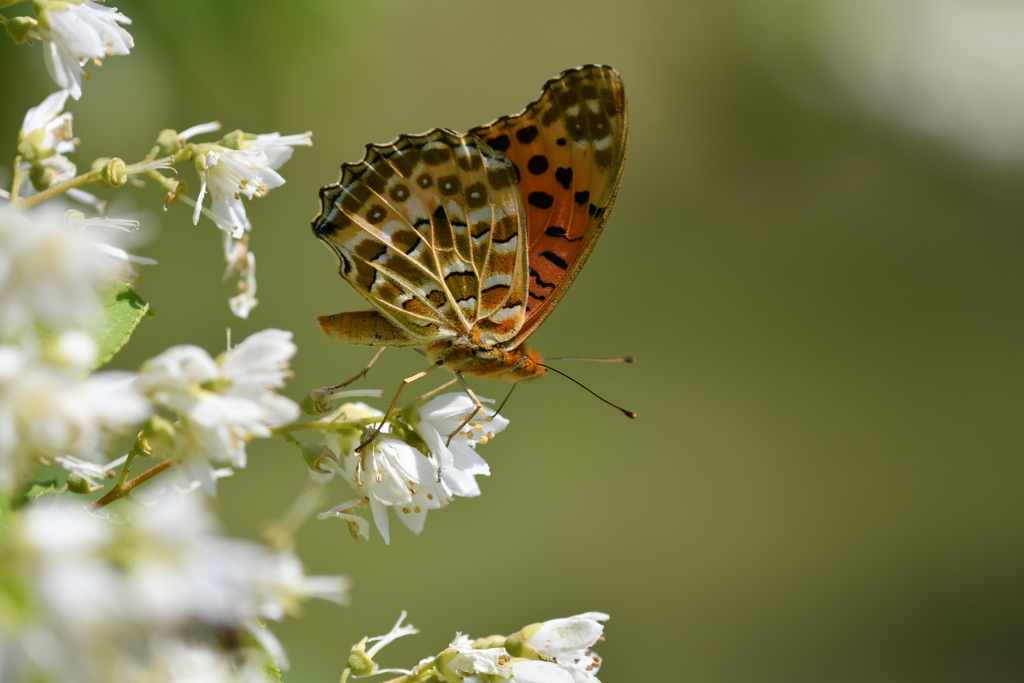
(429, 230)
(569, 149)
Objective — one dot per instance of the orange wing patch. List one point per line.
(568, 148)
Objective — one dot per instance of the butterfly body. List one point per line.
(463, 244)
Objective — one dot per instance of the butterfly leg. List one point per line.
(362, 373)
(408, 380)
(479, 406)
(438, 389)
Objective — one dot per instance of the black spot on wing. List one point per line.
(564, 177)
(527, 135)
(536, 276)
(542, 200)
(500, 143)
(555, 259)
(538, 164)
(556, 231)
(582, 197)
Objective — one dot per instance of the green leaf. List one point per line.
(40, 488)
(112, 324)
(122, 311)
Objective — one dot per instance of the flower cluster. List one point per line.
(239, 166)
(49, 405)
(165, 598)
(218, 404)
(52, 408)
(555, 651)
(411, 466)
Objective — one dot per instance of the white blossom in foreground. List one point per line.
(460, 463)
(49, 274)
(76, 31)
(222, 404)
(49, 407)
(164, 597)
(556, 651)
(228, 174)
(565, 643)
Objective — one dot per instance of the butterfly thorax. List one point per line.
(462, 355)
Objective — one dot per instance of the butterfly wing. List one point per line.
(569, 150)
(429, 230)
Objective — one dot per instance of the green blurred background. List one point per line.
(824, 299)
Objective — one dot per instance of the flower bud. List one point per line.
(180, 189)
(517, 646)
(42, 177)
(232, 140)
(77, 484)
(311, 404)
(113, 171)
(359, 662)
(441, 663)
(168, 143)
(18, 28)
(315, 455)
(159, 431)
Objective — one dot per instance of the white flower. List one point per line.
(222, 403)
(48, 407)
(46, 129)
(149, 599)
(74, 32)
(229, 174)
(45, 137)
(245, 300)
(439, 417)
(567, 642)
(541, 672)
(48, 274)
(91, 472)
(277, 147)
(467, 660)
(394, 474)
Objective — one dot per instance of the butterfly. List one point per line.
(464, 244)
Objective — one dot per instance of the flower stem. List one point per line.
(19, 175)
(54, 190)
(284, 430)
(122, 490)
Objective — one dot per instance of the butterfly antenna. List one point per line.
(627, 413)
(619, 359)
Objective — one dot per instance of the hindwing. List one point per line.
(429, 229)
